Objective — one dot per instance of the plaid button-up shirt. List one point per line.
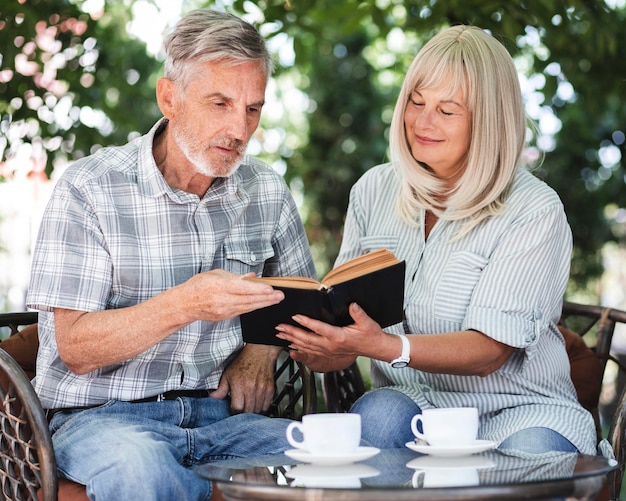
(115, 234)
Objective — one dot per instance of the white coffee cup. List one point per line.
(327, 433)
(446, 427)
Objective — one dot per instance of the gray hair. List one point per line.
(466, 58)
(206, 35)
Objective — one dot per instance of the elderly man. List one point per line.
(138, 273)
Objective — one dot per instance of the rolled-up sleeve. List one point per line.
(521, 288)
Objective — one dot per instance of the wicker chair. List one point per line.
(25, 445)
(27, 463)
(342, 388)
(595, 324)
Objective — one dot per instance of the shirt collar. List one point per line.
(152, 183)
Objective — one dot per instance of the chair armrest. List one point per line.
(27, 460)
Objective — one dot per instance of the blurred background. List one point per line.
(76, 75)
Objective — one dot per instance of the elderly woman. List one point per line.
(487, 248)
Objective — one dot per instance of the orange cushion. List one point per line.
(585, 371)
(68, 491)
(23, 348)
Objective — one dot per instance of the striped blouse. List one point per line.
(506, 279)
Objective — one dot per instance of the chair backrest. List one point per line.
(27, 457)
(13, 321)
(342, 388)
(597, 325)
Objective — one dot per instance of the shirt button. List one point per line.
(252, 258)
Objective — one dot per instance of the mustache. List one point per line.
(232, 144)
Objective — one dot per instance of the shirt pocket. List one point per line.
(243, 256)
(456, 285)
(376, 242)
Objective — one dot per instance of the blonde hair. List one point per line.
(466, 58)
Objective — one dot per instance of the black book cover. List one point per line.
(380, 293)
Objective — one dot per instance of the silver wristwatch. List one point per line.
(405, 357)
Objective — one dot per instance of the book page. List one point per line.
(359, 266)
(356, 267)
(294, 282)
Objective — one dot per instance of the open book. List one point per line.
(374, 280)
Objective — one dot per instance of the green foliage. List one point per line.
(345, 64)
(585, 38)
(346, 138)
(71, 81)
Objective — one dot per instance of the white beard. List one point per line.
(196, 151)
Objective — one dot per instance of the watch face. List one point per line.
(399, 364)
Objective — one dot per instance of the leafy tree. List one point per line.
(70, 81)
(346, 138)
(576, 45)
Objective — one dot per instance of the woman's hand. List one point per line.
(329, 348)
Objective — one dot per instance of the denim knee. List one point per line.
(386, 418)
(118, 460)
(538, 440)
(151, 469)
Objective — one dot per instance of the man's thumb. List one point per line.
(221, 392)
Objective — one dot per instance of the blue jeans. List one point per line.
(123, 450)
(386, 423)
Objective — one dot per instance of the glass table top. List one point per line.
(408, 472)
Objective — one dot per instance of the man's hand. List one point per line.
(250, 379)
(219, 295)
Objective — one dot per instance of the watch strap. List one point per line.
(405, 357)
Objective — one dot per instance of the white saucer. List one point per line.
(477, 446)
(450, 463)
(332, 459)
(330, 476)
(332, 471)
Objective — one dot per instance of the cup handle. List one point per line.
(292, 441)
(416, 419)
(417, 481)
